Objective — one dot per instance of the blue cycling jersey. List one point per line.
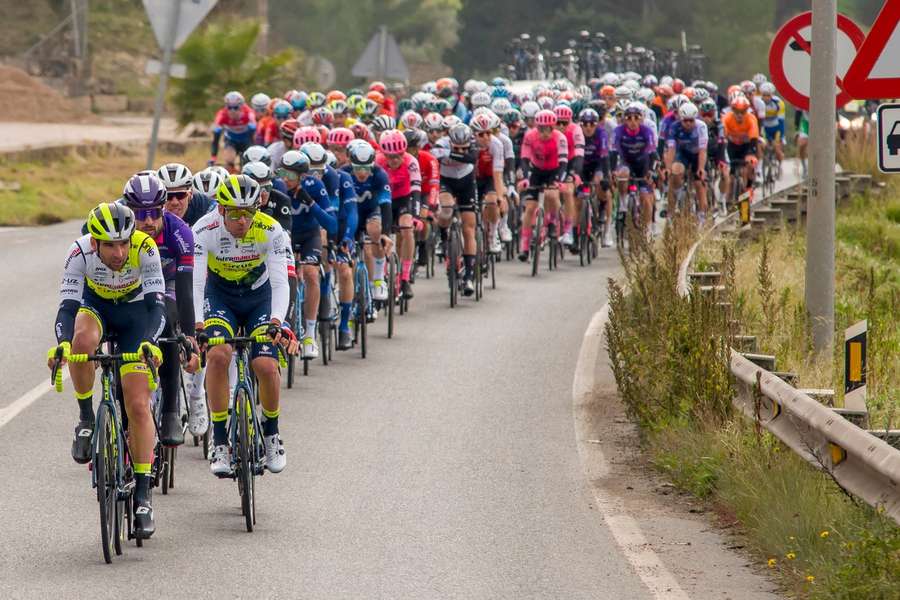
(312, 216)
(691, 140)
(373, 192)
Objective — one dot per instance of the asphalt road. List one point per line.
(442, 466)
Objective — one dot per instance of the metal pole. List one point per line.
(163, 82)
(820, 210)
(382, 52)
(262, 9)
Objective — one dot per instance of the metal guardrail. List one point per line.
(863, 464)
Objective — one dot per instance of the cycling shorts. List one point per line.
(638, 169)
(463, 190)
(690, 161)
(308, 247)
(540, 179)
(771, 132)
(403, 206)
(227, 311)
(127, 321)
(239, 145)
(738, 152)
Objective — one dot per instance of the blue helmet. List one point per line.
(144, 190)
(499, 92)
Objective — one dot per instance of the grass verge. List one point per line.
(68, 187)
(671, 366)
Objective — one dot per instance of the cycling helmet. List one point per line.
(411, 120)
(688, 111)
(289, 128)
(688, 93)
(530, 109)
(470, 86)
(340, 136)
(748, 87)
(295, 161)
(563, 113)
(315, 100)
(709, 107)
(392, 141)
(175, 175)
(256, 154)
(499, 92)
(306, 134)
(376, 97)
(665, 91)
(450, 121)
(439, 105)
(353, 100)
(700, 94)
(632, 84)
(367, 109)
(207, 181)
(361, 154)
(545, 118)
(377, 86)
(331, 159)
(512, 117)
(234, 99)
(759, 79)
(712, 87)
(645, 95)
(322, 116)
(433, 122)
(316, 154)
(222, 171)
(621, 107)
(238, 191)
(111, 222)
(298, 100)
(740, 104)
(546, 102)
(677, 86)
(767, 88)
(589, 115)
(666, 80)
(260, 102)
(650, 81)
(498, 82)
(460, 135)
(383, 123)
(501, 106)
(144, 191)
(335, 95)
(610, 79)
(676, 101)
(258, 171)
(732, 89)
(607, 90)
(282, 109)
(480, 99)
(480, 123)
(338, 107)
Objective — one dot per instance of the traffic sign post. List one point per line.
(889, 138)
(876, 71)
(381, 59)
(790, 61)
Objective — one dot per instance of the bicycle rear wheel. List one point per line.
(167, 475)
(392, 294)
(453, 250)
(536, 243)
(479, 262)
(245, 468)
(104, 468)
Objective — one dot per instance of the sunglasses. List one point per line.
(265, 187)
(562, 123)
(739, 112)
(142, 214)
(362, 169)
(177, 195)
(632, 117)
(289, 175)
(589, 124)
(393, 156)
(238, 107)
(545, 129)
(236, 214)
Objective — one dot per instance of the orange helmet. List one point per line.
(740, 104)
(443, 82)
(689, 92)
(733, 88)
(335, 95)
(377, 86)
(607, 90)
(376, 97)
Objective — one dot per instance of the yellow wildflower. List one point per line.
(810, 579)
(772, 563)
(790, 555)
(824, 534)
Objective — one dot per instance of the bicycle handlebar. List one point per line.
(144, 357)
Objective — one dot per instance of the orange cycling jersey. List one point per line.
(740, 133)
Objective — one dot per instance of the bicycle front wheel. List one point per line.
(245, 468)
(104, 467)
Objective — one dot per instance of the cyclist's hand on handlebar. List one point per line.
(201, 339)
(59, 353)
(193, 363)
(154, 351)
(387, 243)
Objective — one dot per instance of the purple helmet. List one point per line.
(144, 190)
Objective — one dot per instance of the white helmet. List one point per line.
(316, 154)
(222, 171)
(451, 120)
(688, 110)
(624, 92)
(530, 108)
(175, 175)
(207, 181)
(480, 99)
(767, 88)
(260, 102)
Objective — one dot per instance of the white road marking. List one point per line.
(9, 413)
(661, 583)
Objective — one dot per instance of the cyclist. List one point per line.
(238, 122)
(801, 124)
(742, 138)
(715, 148)
(181, 199)
(773, 120)
(431, 186)
(686, 146)
(311, 211)
(113, 284)
(635, 144)
(575, 143)
(457, 156)
(406, 188)
(545, 153)
(595, 169)
(261, 103)
(277, 149)
(240, 276)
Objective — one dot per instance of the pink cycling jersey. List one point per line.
(575, 140)
(405, 179)
(545, 155)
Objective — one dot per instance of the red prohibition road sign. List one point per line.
(790, 54)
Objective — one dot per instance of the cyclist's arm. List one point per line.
(154, 290)
(199, 276)
(276, 264)
(70, 292)
(562, 154)
(385, 205)
(184, 277)
(321, 209)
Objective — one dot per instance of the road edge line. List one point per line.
(8, 413)
(625, 530)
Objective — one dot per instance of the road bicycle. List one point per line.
(112, 473)
(454, 250)
(163, 469)
(363, 309)
(629, 205)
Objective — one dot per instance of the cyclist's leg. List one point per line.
(170, 432)
(308, 256)
(405, 240)
(87, 334)
(466, 203)
(699, 188)
(530, 198)
(567, 193)
(491, 219)
(220, 321)
(676, 181)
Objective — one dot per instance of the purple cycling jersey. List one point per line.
(596, 147)
(176, 250)
(636, 145)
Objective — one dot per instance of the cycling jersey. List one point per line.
(86, 280)
(596, 147)
(574, 140)
(373, 195)
(243, 265)
(740, 133)
(315, 212)
(545, 155)
(339, 190)
(278, 206)
(490, 159)
(276, 151)
(452, 164)
(431, 177)
(634, 146)
(238, 129)
(199, 205)
(774, 112)
(690, 141)
(405, 179)
(175, 242)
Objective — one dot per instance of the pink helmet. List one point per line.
(340, 136)
(392, 142)
(544, 118)
(307, 134)
(480, 122)
(563, 112)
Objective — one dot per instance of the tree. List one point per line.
(221, 58)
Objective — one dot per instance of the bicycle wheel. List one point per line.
(479, 262)
(168, 464)
(453, 263)
(245, 467)
(392, 294)
(536, 243)
(325, 337)
(492, 263)
(104, 469)
(361, 309)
